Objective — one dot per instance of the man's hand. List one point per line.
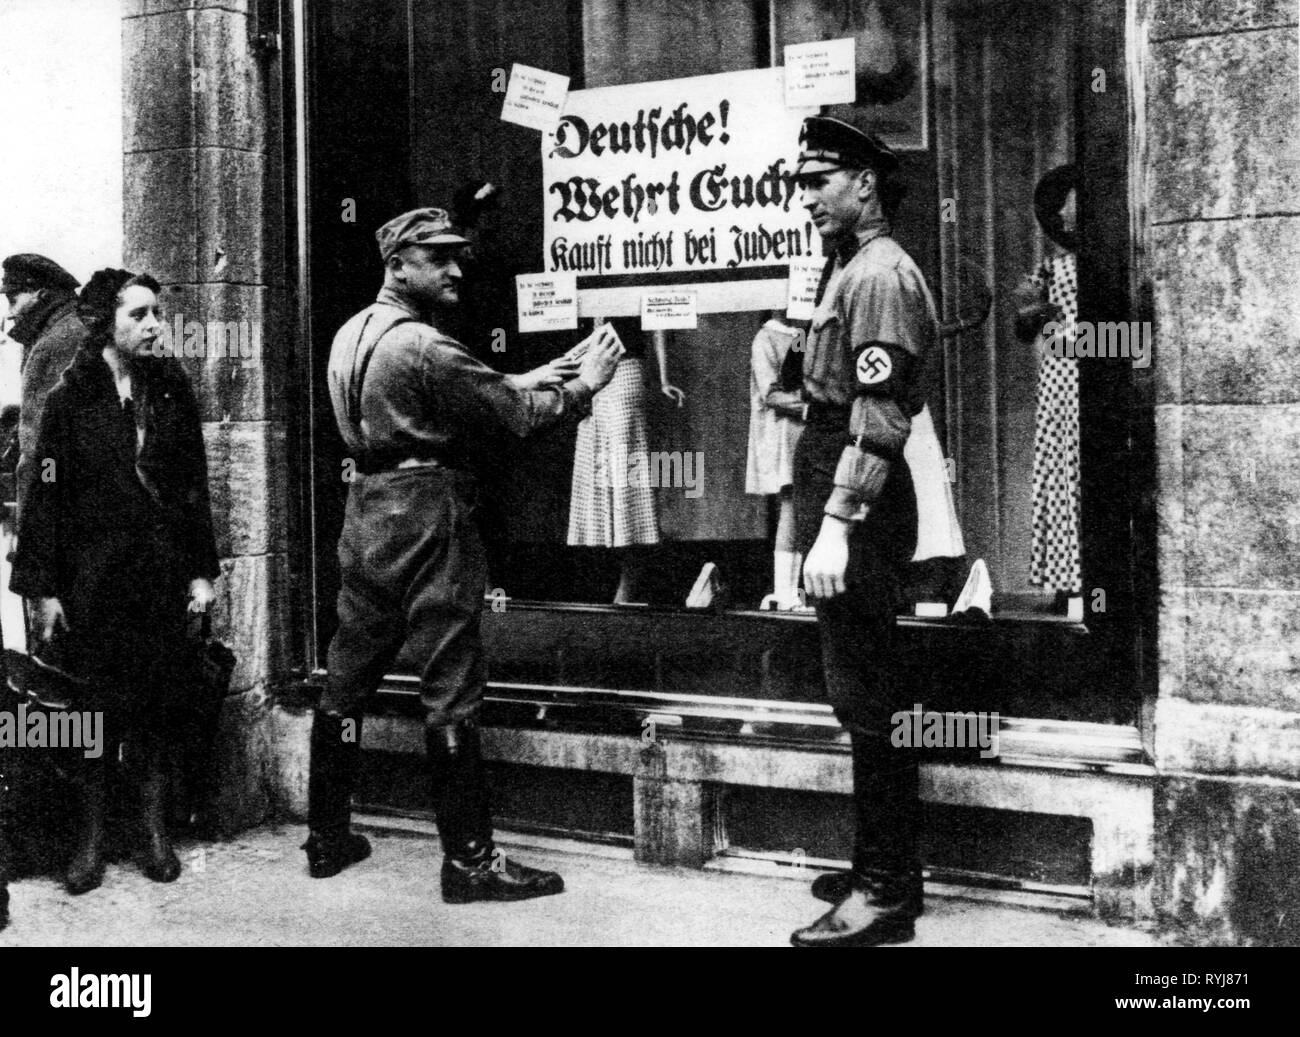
(201, 595)
(49, 614)
(824, 568)
(603, 352)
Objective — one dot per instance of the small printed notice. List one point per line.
(661, 311)
(805, 276)
(547, 302)
(602, 327)
(535, 98)
(820, 73)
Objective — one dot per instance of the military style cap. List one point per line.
(28, 271)
(417, 227)
(827, 144)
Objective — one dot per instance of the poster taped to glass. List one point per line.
(675, 183)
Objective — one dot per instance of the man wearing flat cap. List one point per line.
(866, 370)
(43, 307)
(410, 402)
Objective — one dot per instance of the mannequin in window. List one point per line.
(612, 503)
(775, 423)
(1048, 295)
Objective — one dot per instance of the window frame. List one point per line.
(1117, 411)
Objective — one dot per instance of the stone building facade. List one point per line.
(1216, 131)
(203, 208)
(1222, 231)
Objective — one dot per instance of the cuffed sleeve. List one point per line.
(859, 478)
(878, 429)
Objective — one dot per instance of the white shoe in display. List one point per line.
(707, 589)
(976, 598)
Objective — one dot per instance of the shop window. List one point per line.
(981, 98)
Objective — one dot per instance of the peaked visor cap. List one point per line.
(418, 227)
(828, 144)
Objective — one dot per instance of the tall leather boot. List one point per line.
(331, 845)
(157, 858)
(885, 895)
(472, 867)
(86, 870)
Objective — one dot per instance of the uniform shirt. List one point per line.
(422, 395)
(873, 334)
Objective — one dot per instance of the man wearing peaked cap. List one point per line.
(827, 144)
(417, 227)
(410, 403)
(44, 311)
(866, 372)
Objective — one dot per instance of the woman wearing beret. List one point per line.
(117, 541)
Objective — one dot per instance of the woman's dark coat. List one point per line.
(114, 531)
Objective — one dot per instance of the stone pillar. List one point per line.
(203, 212)
(1223, 194)
(673, 818)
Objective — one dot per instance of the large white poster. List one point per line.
(680, 183)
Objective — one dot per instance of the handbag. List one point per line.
(40, 681)
(208, 666)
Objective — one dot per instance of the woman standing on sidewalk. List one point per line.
(117, 536)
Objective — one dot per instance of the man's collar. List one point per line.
(32, 324)
(867, 231)
(390, 296)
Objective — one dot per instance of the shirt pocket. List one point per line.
(823, 363)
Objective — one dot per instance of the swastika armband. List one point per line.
(882, 369)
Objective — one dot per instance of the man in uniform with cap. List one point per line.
(866, 371)
(409, 401)
(43, 307)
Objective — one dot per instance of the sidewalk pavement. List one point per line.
(254, 891)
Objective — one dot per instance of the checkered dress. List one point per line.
(609, 504)
(1054, 561)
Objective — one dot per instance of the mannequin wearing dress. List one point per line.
(1051, 294)
(609, 505)
(775, 423)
